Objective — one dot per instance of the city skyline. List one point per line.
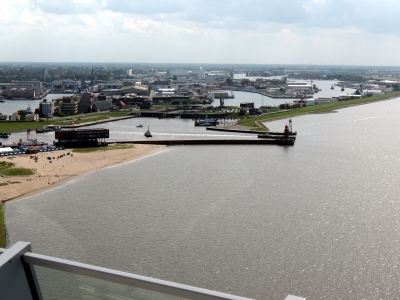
(238, 32)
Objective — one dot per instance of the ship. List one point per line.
(206, 122)
(47, 129)
(147, 133)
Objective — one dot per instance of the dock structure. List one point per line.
(77, 138)
(228, 129)
(281, 142)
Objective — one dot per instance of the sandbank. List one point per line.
(48, 175)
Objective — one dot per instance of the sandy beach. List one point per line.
(47, 174)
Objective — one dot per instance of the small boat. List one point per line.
(342, 89)
(206, 122)
(140, 125)
(47, 129)
(44, 129)
(29, 110)
(332, 87)
(147, 133)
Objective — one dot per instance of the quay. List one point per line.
(228, 129)
(90, 123)
(281, 142)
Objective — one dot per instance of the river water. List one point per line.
(10, 106)
(317, 220)
(260, 100)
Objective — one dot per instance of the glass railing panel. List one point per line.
(60, 285)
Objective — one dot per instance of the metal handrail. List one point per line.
(157, 285)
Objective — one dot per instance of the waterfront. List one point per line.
(316, 220)
(259, 100)
(11, 106)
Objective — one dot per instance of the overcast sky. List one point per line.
(337, 32)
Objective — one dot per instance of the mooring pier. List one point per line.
(281, 142)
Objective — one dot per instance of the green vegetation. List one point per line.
(9, 182)
(2, 227)
(79, 120)
(8, 126)
(164, 106)
(8, 169)
(94, 149)
(323, 108)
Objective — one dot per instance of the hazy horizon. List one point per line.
(192, 65)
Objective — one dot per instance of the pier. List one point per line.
(230, 129)
(282, 142)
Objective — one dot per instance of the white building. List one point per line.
(15, 117)
(32, 117)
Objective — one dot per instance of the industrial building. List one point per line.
(247, 105)
(75, 138)
(69, 105)
(65, 86)
(31, 92)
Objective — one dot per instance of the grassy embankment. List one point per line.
(322, 108)
(8, 169)
(2, 227)
(7, 126)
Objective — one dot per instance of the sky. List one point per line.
(319, 32)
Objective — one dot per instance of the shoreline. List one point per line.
(52, 175)
(325, 111)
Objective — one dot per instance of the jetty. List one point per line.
(281, 142)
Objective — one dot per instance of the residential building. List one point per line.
(31, 117)
(15, 117)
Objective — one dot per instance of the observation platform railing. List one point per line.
(22, 272)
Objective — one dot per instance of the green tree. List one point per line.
(22, 112)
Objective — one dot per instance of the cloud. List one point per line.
(198, 30)
(368, 15)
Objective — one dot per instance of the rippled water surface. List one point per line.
(317, 220)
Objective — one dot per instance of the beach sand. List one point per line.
(47, 174)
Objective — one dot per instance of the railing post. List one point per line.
(18, 279)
